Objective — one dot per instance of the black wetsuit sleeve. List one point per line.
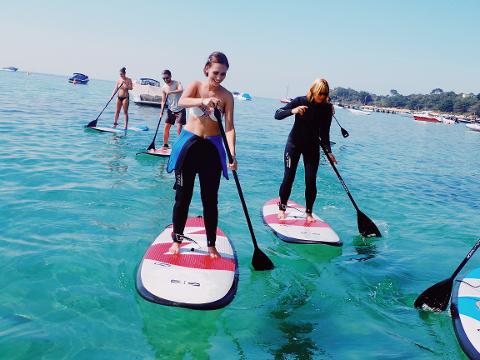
(325, 132)
(286, 111)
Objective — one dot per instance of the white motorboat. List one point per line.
(474, 127)
(10, 68)
(147, 91)
(359, 112)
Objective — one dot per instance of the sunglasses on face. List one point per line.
(166, 78)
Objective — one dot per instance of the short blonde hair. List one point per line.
(318, 87)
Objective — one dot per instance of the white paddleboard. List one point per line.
(158, 152)
(295, 229)
(190, 279)
(118, 130)
(465, 309)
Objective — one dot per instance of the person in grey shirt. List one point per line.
(171, 93)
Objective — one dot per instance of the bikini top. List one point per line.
(197, 111)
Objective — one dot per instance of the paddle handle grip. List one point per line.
(339, 177)
(469, 255)
(235, 176)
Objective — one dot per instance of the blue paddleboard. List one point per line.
(465, 309)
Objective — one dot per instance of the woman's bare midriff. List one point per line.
(122, 92)
(202, 126)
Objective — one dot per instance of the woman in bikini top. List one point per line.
(121, 87)
(199, 150)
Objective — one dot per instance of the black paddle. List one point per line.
(152, 145)
(366, 227)
(437, 296)
(260, 261)
(93, 123)
(345, 133)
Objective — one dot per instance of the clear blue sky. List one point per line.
(412, 46)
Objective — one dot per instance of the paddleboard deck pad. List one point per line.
(465, 309)
(295, 229)
(118, 130)
(162, 152)
(190, 279)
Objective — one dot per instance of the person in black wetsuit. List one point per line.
(313, 117)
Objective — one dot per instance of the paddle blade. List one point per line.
(366, 227)
(92, 123)
(345, 133)
(436, 297)
(260, 261)
(151, 147)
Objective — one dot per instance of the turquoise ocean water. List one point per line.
(78, 209)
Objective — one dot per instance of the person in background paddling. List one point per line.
(313, 117)
(123, 85)
(199, 150)
(175, 113)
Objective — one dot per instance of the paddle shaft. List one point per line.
(469, 255)
(337, 121)
(152, 145)
(101, 112)
(237, 182)
(340, 177)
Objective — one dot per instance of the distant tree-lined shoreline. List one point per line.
(437, 100)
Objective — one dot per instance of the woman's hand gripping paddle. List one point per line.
(366, 227)
(437, 297)
(260, 261)
(93, 123)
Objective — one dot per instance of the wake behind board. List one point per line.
(465, 309)
(190, 279)
(295, 229)
(118, 130)
(162, 152)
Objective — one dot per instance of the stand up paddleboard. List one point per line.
(158, 152)
(295, 229)
(465, 309)
(190, 279)
(118, 130)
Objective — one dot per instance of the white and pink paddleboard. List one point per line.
(165, 152)
(295, 229)
(190, 279)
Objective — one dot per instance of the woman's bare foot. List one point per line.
(281, 215)
(115, 125)
(310, 218)
(175, 248)
(212, 251)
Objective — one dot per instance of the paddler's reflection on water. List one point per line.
(199, 150)
(365, 247)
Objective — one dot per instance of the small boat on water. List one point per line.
(447, 120)
(78, 78)
(286, 99)
(9, 68)
(359, 112)
(147, 91)
(474, 127)
(242, 96)
(426, 117)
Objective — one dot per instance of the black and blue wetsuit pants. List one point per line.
(311, 159)
(202, 159)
